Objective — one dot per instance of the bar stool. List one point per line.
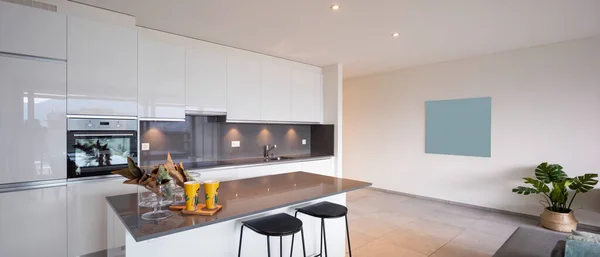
(279, 225)
(325, 210)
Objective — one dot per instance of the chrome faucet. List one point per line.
(267, 150)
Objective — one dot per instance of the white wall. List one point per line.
(545, 107)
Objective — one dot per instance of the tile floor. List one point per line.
(384, 224)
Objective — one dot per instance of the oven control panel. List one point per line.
(102, 124)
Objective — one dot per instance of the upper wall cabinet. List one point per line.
(101, 69)
(243, 89)
(307, 92)
(205, 81)
(276, 91)
(161, 79)
(31, 31)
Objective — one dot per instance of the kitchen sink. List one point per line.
(279, 158)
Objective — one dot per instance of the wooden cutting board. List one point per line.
(201, 210)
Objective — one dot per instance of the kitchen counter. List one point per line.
(240, 198)
(252, 161)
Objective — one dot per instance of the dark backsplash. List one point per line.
(205, 139)
(253, 137)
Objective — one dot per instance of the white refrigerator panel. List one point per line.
(33, 127)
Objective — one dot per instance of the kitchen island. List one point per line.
(243, 199)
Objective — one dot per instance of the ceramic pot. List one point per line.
(562, 222)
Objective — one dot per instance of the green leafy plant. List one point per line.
(557, 196)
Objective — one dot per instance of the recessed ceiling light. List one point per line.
(335, 7)
(395, 34)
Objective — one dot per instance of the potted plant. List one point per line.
(557, 215)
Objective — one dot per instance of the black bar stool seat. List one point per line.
(277, 225)
(324, 210)
(280, 224)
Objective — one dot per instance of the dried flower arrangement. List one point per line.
(161, 174)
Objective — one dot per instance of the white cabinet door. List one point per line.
(205, 81)
(161, 77)
(286, 168)
(256, 171)
(87, 213)
(276, 91)
(102, 68)
(269, 169)
(33, 222)
(218, 174)
(307, 93)
(33, 130)
(31, 31)
(321, 167)
(243, 89)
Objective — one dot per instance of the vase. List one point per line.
(162, 200)
(557, 221)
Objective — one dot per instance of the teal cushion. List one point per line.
(576, 248)
(589, 235)
(582, 238)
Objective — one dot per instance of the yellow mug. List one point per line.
(211, 194)
(191, 189)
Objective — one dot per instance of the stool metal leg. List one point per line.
(348, 235)
(321, 241)
(292, 247)
(280, 246)
(268, 247)
(292, 250)
(240, 248)
(303, 247)
(325, 238)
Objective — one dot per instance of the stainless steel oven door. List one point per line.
(99, 153)
(99, 150)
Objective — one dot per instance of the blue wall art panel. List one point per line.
(459, 127)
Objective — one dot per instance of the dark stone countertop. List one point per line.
(251, 161)
(239, 198)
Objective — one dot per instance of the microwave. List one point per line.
(97, 147)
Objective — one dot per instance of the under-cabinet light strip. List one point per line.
(161, 119)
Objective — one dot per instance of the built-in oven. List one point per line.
(96, 147)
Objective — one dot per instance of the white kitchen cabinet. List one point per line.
(321, 167)
(205, 81)
(31, 31)
(286, 168)
(220, 174)
(243, 89)
(276, 89)
(33, 130)
(161, 77)
(307, 93)
(33, 222)
(255, 171)
(101, 69)
(87, 213)
(268, 169)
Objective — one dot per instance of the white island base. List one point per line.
(222, 239)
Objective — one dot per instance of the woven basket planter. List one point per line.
(561, 222)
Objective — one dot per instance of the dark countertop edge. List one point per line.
(177, 230)
(253, 162)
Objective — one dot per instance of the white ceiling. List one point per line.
(359, 34)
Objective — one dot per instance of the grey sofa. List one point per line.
(533, 241)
